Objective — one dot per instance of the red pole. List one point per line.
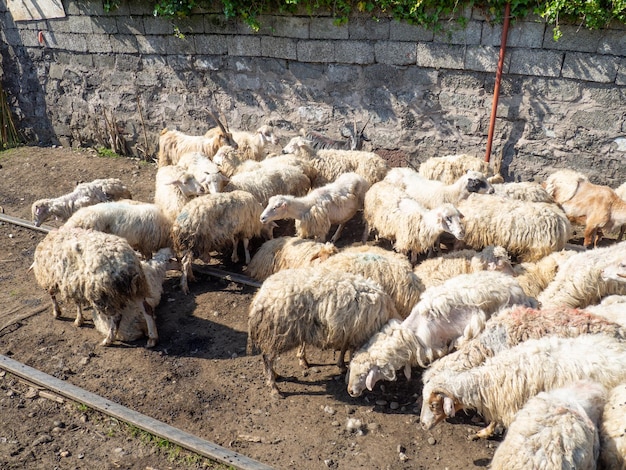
(496, 88)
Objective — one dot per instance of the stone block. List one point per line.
(590, 67)
(484, 59)
(613, 42)
(523, 34)
(105, 25)
(339, 73)
(470, 34)
(354, 52)
(104, 61)
(249, 46)
(440, 56)
(125, 43)
(395, 52)
(192, 25)
(401, 31)
(80, 24)
(150, 44)
(208, 63)
(369, 29)
(98, 43)
(179, 45)
(316, 51)
(325, 28)
(574, 39)
(211, 44)
(157, 25)
(218, 24)
(67, 41)
(536, 62)
(130, 25)
(280, 48)
(621, 73)
(291, 27)
(59, 25)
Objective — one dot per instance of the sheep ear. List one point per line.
(448, 406)
(372, 378)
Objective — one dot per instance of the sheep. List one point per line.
(204, 170)
(277, 160)
(392, 271)
(352, 138)
(521, 372)
(435, 271)
(446, 315)
(517, 324)
(433, 193)
(450, 168)
(252, 144)
(330, 163)
(612, 307)
(287, 252)
(315, 306)
(615, 271)
(212, 222)
(174, 187)
(524, 191)
(563, 184)
(267, 182)
(579, 281)
(612, 435)
(94, 268)
(555, 429)
(84, 194)
(598, 207)
(402, 220)
(528, 230)
(535, 276)
(173, 144)
(132, 324)
(142, 224)
(323, 207)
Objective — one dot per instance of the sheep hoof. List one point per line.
(106, 342)
(151, 343)
(78, 322)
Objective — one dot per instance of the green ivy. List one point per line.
(435, 14)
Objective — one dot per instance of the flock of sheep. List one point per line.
(510, 320)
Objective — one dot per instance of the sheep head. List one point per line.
(449, 219)
(276, 209)
(224, 136)
(477, 183)
(40, 211)
(436, 407)
(267, 134)
(615, 272)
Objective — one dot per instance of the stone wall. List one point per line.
(562, 104)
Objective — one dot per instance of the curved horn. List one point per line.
(216, 119)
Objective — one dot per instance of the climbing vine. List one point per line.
(435, 14)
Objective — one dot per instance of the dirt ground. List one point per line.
(198, 378)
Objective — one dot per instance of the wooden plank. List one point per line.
(158, 428)
(24, 223)
(26, 10)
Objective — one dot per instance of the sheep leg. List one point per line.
(235, 257)
(590, 234)
(153, 335)
(337, 233)
(246, 250)
(366, 233)
(486, 432)
(79, 315)
(621, 233)
(187, 273)
(56, 310)
(301, 355)
(341, 361)
(271, 375)
(113, 326)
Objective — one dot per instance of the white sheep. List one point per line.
(534, 276)
(252, 144)
(555, 429)
(445, 316)
(315, 213)
(391, 270)
(173, 144)
(528, 230)
(521, 372)
(433, 193)
(142, 224)
(94, 268)
(270, 181)
(612, 430)
(132, 324)
(450, 168)
(174, 187)
(213, 222)
(579, 281)
(612, 307)
(330, 163)
(287, 252)
(524, 191)
(435, 271)
(399, 218)
(83, 195)
(204, 170)
(315, 306)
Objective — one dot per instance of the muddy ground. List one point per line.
(198, 378)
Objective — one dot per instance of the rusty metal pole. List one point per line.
(496, 88)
